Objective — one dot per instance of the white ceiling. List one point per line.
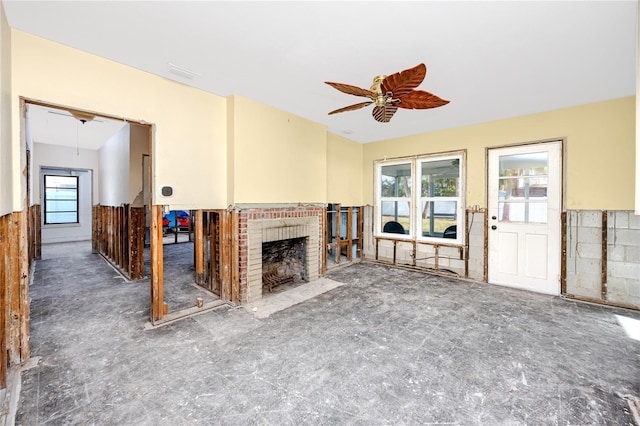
(59, 127)
(491, 59)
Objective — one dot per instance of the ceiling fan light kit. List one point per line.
(389, 93)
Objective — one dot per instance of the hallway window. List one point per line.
(60, 199)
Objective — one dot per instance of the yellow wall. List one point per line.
(344, 171)
(599, 158)
(138, 147)
(277, 157)
(6, 168)
(189, 151)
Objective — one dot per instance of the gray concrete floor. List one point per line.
(389, 346)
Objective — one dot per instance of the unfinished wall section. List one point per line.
(467, 260)
(602, 257)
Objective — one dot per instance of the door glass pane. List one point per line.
(396, 180)
(523, 181)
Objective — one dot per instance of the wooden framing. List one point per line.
(198, 248)
(563, 253)
(14, 289)
(158, 307)
(463, 250)
(225, 257)
(34, 230)
(137, 224)
(214, 276)
(340, 244)
(118, 235)
(4, 285)
(235, 270)
(603, 263)
(323, 266)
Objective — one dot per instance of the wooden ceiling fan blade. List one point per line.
(405, 81)
(351, 107)
(419, 99)
(352, 90)
(384, 113)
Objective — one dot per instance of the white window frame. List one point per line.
(415, 231)
(380, 199)
(46, 208)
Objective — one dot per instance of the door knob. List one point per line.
(493, 217)
(494, 227)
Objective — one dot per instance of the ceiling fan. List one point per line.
(391, 92)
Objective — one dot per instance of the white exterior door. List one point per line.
(524, 190)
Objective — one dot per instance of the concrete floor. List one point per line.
(389, 346)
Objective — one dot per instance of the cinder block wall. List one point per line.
(623, 257)
(615, 279)
(427, 256)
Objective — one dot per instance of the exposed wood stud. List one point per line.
(225, 258)
(603, 270)
(338, 245)
(214, 279)
(25, 347)
(4, 281)
(563, 253)
(37, 224)
(94, 230)
(467, 231)
(235, 265)
(349, 233)
(13, 284)
(360, 231)
(323, 243)
(485, 273)
(136, 242)
(198, 248)
(158, 307)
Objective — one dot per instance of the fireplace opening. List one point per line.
(284, 262)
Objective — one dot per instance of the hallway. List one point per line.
(389, 347)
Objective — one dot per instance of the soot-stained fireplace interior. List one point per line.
(284, 262)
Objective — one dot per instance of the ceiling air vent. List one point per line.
(182, 72)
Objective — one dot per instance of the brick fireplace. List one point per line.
(257, 226)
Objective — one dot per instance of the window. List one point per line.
(438, 200)
(60, 199)
(395, 198)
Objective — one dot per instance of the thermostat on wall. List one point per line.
(166, 191)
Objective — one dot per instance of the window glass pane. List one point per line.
(61, 199)
(395, 217)
(396, 180)
(61, 205)
(60, 193)
(440, 178)
(61, 181)
(437, 217)
(67, 217)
